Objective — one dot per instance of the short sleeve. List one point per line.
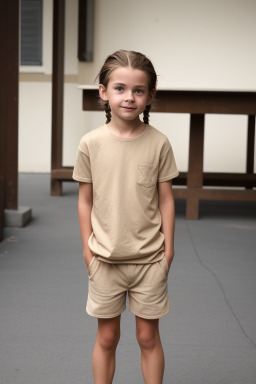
(82, 168)
(167, 166)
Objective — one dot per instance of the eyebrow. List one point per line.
(136, 86)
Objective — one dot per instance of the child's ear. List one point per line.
(151, 95)
(103, 92)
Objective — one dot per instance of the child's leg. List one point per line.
(152, 355)
(103, 360)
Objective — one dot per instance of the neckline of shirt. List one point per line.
(126, 138)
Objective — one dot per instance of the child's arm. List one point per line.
(85, 202)
(167, 210)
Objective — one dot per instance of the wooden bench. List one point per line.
(191, 185)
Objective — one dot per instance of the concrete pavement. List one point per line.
(47, 338)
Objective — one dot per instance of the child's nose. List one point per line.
(129, 96)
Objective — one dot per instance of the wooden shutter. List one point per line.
(31, 32)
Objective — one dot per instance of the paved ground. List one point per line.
(47, 338)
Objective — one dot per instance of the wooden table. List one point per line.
(191, 185)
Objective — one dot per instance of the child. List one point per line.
(126, 215)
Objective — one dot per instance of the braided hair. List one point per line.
(146, 114)
(135, 60)
(107, 112)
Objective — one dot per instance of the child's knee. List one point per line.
(108, 339)
(147, 339)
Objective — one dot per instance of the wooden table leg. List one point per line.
(250, 146)
(195, 167)
(56, 187)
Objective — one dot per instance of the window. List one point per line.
(31, 32)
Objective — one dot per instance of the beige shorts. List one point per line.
(145, 284)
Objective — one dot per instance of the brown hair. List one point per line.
(131, 59)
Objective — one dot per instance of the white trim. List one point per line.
(88, 86)
(32, 68)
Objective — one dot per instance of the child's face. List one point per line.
(127, 93)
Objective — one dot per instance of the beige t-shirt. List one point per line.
(125, 217)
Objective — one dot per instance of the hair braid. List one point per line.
(146, 114)
(107, 112)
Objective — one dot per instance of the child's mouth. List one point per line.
(129, 108)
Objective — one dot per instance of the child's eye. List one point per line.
(139, 91)
(119, 89)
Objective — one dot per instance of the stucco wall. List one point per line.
(197, 44)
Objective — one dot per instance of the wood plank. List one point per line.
(180, 193)
(227, 194)
(195, 168)
(215, 194)
(195, 102)
(1, 209)
(209, 179)
(221, 179)
(202, 102)
(64, 174)
(9, 70)
(91, 100)
(57, 91)
(196, 149)
(192, 206)
(250, 144)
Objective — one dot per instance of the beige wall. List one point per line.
(198, 44)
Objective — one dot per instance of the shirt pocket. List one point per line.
(147, 175)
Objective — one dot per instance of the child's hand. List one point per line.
(87, 255)
(169, 257)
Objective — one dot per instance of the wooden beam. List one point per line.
(57, 90)
(209, 178)
(227, 194)
(195, 102)
(215, 194)
(195, 171)
(9, 69)
(250, 144)
(221, 179)
(1, 208)
(91, 100)
(202, 102)
(64, 174)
